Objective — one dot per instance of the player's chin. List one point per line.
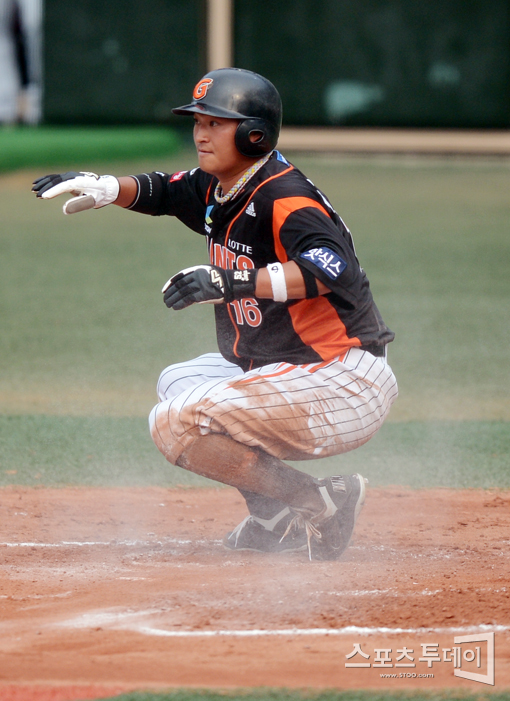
(206, 161)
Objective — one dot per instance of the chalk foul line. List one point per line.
(130, 620)
(292, 632)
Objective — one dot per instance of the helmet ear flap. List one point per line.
(266, 141)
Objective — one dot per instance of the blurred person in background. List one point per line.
(20, 61)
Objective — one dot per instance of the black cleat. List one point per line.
(252, 534)
(329, 532)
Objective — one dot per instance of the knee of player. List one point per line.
(161, 430)
(160, 425)
(168, 423)
(152, 418)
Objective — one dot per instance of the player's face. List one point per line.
(217, 152)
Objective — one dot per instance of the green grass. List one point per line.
(328, 695)
(85, 333)
(22, 147)
(110, 451)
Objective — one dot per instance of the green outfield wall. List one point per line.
(392, 63)
(119, 62)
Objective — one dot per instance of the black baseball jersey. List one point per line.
(279, 215)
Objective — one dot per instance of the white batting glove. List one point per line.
(103, 188)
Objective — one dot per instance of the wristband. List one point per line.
(239, 283)
(278, 284)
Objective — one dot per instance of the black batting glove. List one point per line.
(208, 284)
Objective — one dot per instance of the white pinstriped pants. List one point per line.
(293, 412)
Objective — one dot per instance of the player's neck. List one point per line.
(228, 180)
(228, 189)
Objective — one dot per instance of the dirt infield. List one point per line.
(106, 590)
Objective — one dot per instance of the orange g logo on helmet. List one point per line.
(201, 88)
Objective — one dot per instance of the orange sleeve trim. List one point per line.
(281, 210)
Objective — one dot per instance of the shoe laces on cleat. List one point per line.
(252, 534)
(238, 529)
(300, 520)
(329, 531)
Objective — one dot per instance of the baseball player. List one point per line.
(302, 371)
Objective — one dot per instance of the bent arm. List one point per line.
(209, 284)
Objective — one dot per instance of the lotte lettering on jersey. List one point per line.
(278, 216)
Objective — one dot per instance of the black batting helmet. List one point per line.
(235, 93)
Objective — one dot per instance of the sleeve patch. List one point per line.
(178, 176)
(327, 260)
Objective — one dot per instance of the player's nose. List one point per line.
(200, 133)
